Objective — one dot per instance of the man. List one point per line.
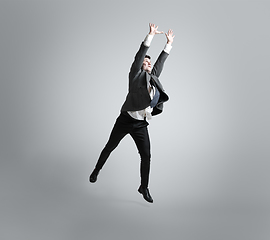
(145, 99)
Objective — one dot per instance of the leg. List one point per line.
(119, 131)
(142, 141)
(117, 134)
(141, 138)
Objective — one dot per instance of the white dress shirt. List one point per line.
(140, 115)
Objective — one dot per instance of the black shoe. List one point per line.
(93, 176)
(146, 194)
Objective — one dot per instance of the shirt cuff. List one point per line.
(168, 48)
(148, 39)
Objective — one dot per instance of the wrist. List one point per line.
(148, 39)
(168, 48)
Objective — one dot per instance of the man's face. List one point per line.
(146, 66)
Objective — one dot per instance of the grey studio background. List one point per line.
(64, 68)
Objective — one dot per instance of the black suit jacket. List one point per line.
(138, 97)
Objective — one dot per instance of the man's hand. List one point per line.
(153, 29)
(170, 36)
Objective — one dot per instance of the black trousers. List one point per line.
(124, 125)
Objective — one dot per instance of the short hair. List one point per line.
(147, 56)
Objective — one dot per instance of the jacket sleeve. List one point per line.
(158, 66)
(138, 61)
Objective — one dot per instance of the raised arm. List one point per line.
(139, 57)
(158, 66)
